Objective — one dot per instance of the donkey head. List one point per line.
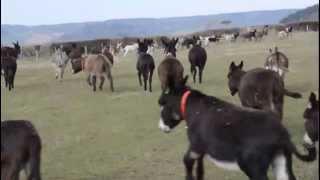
(17, 47)
(170, 47)
(234, 77)
(142, 46)
(169, 102)
(77, 65)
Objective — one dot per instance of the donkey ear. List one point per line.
(232, 66)
(240, 65)
(270, 50)
(313, 98)
(176, 41)
(164, 42)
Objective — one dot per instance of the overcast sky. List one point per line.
(36, 12)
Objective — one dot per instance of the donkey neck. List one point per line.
(198, 103)
(242, 73)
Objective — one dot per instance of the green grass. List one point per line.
(115, 136)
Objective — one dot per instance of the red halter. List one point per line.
(183, 103)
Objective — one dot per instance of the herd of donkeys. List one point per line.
(250, 138)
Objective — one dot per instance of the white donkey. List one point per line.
(60, 61)
(132, 47)
(204, 41)
(283, 34)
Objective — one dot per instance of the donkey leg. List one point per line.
(194, 74)
(289, 170)
(150, 80)
(94, 81)
(200, 74)
(6, 78)
(61, 73)
(109, 76)
(200, 168)
(57, 73)
(254, 166)
(89, 80)
(139, 77)
(102, 78)
(188, 163)
(10, 79)
(13, 171)
(145, 80)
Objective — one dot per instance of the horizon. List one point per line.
(135, 18)
(11, 16)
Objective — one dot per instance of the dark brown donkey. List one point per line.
(197, 58)
(311, 124)
(145, 64)
(170, 46)
(11, 52)
(232, 137)
(20, 150)
(170, 67)
(259, 88)
(9, 68)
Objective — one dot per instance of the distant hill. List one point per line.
(137, 27)
(308, 14)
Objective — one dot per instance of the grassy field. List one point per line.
(115, 136)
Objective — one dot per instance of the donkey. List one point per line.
(145, 64)
(289, 30)
(197, 58)
(249, 35)
(106, 52)
(232, 137)
(283, 34)
(191, 41)
(259, 35)
(278, 62)
(60, 61)
(128, 48)
(259, 88)
(150, 44)
(20, 150)
(9, 69)
(205, 41)
(9, 51)
(37, 51)
(170, 67)
(170, 46)
(231, 37)
(215, 38)
(311, 124)
(76, 52)
(96, 66)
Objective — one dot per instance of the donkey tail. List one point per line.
(311, 156)
(295, 95)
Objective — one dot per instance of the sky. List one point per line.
(43, 12)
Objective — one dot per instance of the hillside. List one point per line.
(137, 27)
(308, 14)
